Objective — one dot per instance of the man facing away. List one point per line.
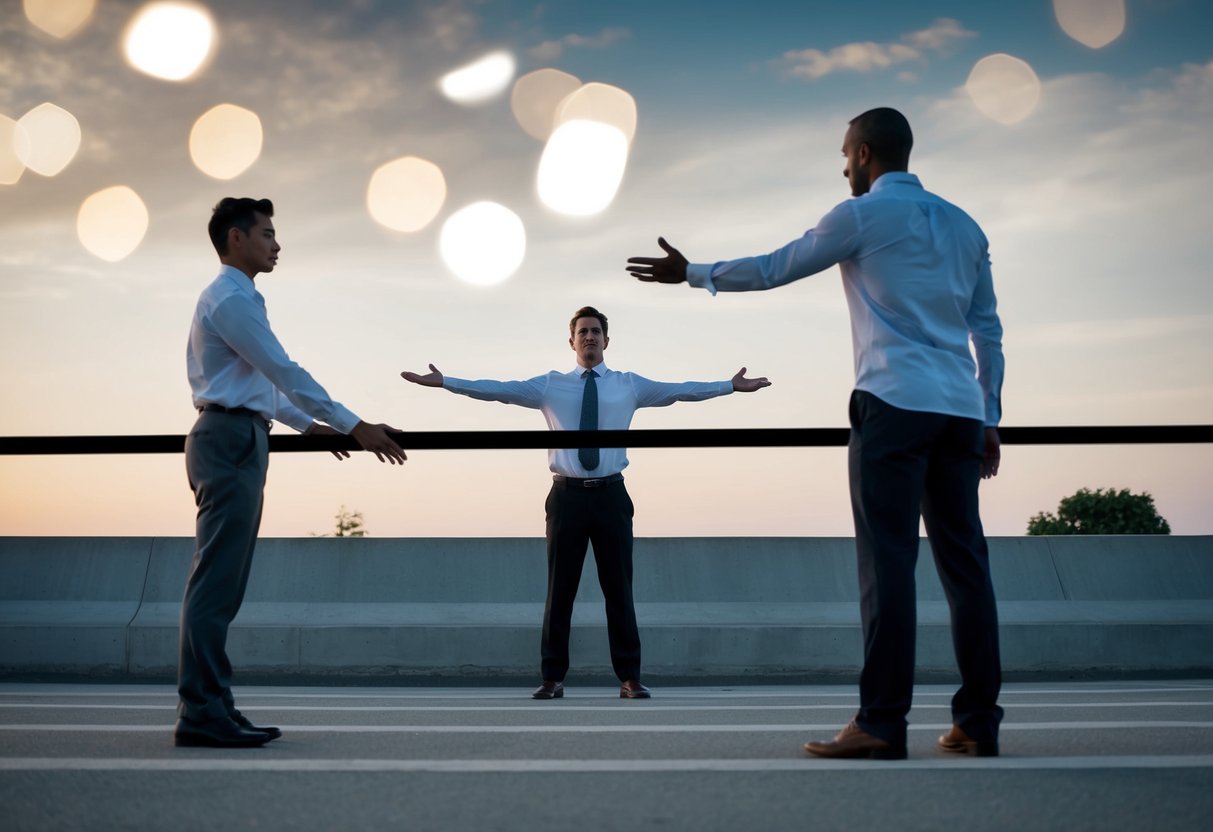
(588, 502)
(924, 416)
(241, 378)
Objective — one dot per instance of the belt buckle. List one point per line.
(591, 483)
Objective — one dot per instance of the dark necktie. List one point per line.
(589, 419)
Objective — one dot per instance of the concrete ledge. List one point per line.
(449, 609)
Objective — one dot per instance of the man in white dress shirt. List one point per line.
(241, 378)
(588, 502)
(924, 417)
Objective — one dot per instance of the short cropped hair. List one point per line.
(235, 212)
(887, 134)
(587, 312)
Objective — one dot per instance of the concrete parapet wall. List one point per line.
(448, 608)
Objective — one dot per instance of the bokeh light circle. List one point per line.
(170, 40)
(603, 103)
(51, 139)
(479, 80)
(1093, 23)
(1003, 88)
(483, 243)
(60, 18)
(536, 97)
(581, 167)
(406, 194)
(14, 143)
(112, 222)
(225, 141)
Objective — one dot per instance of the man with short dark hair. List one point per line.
(924, 417)
(241, 378)
(588, 502)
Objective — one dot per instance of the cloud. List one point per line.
(868, 56)
(552, 49)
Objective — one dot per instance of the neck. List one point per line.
(251, 274)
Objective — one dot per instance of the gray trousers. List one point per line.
(226, 459)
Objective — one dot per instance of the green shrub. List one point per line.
(1102, 511)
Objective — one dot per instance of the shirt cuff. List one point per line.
(342, 419)
(296, 419)
(699, 275)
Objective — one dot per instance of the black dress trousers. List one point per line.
(905, 464)
(577, 517)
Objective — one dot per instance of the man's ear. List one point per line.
(233, 236)
(606, 341)
(865, 153)
(573, 348)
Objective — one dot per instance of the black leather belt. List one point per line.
(234, 411)
(577, 482)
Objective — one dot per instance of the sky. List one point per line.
(1094, 203)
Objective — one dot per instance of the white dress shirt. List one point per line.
(235, 360)
(916, 271)
(558, 395)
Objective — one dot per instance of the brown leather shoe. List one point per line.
(632, 689)
(549, 690)
(957, 741)
(852, 742)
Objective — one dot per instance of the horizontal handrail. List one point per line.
(676, 438)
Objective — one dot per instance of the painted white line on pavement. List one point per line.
(560, 707)
(630, 766)
(614, 729)
(594, 691)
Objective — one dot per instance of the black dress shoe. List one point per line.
(549, 690)
(216, 733)
(243, 721)
(632, 689)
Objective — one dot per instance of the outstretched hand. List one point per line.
(374, 438)
(431, 379)
(669, 269)
(741, 384)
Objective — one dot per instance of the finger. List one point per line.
(646, 261)
(433, 369)
(666, 247)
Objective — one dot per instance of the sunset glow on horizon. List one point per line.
(451, 182)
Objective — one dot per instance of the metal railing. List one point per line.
(678, 438)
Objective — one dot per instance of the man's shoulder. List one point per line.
(225, 292)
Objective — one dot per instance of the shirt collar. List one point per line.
(897, 177)
(600, 368)
(238, 277)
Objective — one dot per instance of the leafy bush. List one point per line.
(1102, 511)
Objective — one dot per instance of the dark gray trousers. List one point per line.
(577, 517)
(906, 464)
(226, 459)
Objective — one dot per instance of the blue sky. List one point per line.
(1094, 204)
